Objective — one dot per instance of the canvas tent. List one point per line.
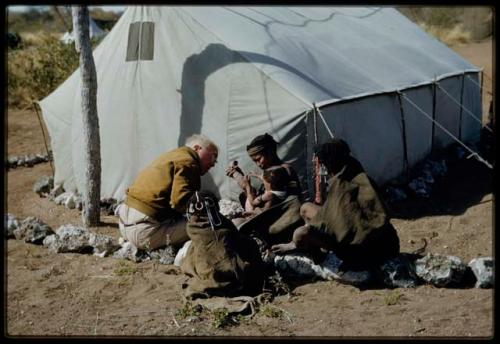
(298, 73)
(94, 31)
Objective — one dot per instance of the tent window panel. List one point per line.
(147, 40)
(133, 42)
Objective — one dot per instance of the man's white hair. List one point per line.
(203, 141)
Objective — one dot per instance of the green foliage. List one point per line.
(277, 284)
(393, 298)
(270, 311)
(125, 269)
(188, 310)
(221, 318)
(34, 72)
(35, 19)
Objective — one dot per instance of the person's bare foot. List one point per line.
(283, 248)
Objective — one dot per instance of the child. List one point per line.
(275, 180)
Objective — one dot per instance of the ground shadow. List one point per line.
(108, 224)
(466, 183)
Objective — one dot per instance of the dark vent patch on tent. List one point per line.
(140, 41)
(147, 40)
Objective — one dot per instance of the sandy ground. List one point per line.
(82, 295)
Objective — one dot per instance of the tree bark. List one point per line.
(91, 193)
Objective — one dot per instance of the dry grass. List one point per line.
(449, 36)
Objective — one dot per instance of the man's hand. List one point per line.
(283, 248)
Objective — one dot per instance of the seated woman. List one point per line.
(277, 221)
(262, 151)
(275, 181)
(352, 222)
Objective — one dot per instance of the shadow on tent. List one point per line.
(198, 67)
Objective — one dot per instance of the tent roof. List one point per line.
(324, 54)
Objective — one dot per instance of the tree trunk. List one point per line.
(92, 156)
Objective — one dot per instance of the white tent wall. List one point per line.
(57, 116)
(372, 126)
(471, 120)
(259, 105)
(148, 107)
(232, 73)
(418, 128)
(447, 112)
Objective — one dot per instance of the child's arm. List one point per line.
(262, 199)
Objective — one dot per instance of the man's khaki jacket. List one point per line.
(162, 189)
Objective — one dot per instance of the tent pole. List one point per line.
(310, 170)
(315, 122)
(317, 177)
(405, 147)
(461, 108)
(482, 83)
(433, 113)
(49, 155)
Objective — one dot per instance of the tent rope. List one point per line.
(466, 110)
(473, 154)
(49, 155)
(324, 122)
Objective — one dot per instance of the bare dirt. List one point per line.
(83, 295)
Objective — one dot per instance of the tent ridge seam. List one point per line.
(367, 94)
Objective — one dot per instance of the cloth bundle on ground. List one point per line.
(276, 224)
(220, 261)
(354, 219)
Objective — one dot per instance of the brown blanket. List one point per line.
(222, 262)
(276, 224)
(354, 219)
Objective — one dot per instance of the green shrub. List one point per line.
(34, 72)
(125, 269)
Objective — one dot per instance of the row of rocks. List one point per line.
(403, 271)
(73, 239)
(67, 238)
(425, 176)
(421, 185)
(28, 160)
(44, 187)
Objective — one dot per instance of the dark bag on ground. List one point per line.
(220, 261)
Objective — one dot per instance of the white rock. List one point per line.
(70, 202)
(483, 270)
(61, 199)
(440, 270)
(69, 238)
(11, 226)
(182, 253)
(230, 209)
(32, 230)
